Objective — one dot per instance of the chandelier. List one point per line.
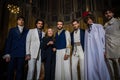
(13, 8)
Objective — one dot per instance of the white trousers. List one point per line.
(78, 56)
(62, 71)
(31, 67)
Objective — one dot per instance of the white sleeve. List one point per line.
(28, 42)
(68, 42)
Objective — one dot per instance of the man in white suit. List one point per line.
(33, 51)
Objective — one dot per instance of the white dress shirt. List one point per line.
(20, 28)
(77, 35)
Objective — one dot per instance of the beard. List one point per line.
(75, 29)
(60, 28)
(109, 18)
(40, 28)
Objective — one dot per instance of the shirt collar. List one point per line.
(20, 27)
(76, 30)
(60, 30)
(111, 21)
(39, 30)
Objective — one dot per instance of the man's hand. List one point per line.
(50, 43)
(27, 57)
(66, 57)
(54, 49)
(7, 59)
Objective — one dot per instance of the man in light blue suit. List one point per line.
(15, 49)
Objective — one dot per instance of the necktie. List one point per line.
(40, 38)
(40, 35)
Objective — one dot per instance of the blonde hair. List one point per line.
(46, 32)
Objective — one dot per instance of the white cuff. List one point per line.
(68, 51)
(5, 56)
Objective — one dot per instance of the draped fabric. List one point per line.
(95, 66)
(112, 38)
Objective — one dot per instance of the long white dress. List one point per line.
(95, 66)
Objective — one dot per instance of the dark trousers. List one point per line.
(50, 68)
(18, 65)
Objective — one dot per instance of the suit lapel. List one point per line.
(24, 30)
(36, 33)
(17, 30)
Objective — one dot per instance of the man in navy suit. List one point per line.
(15, 49)
(77, 42)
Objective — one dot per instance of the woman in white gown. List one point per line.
(95, 66)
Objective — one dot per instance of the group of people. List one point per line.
(91, 49)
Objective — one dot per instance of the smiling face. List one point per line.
(50, 32)
(109, 14)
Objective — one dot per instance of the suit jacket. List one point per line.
(16, 42)
(33, 43)
(82, 35)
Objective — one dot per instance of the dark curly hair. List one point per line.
(20, 17)
(109, 9)
(60, 21)
(85, 19)
(37, 20)
(75, 20)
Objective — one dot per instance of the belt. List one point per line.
(77, 44)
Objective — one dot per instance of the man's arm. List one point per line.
(28, 44)
(68, 45)
(8, 46)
